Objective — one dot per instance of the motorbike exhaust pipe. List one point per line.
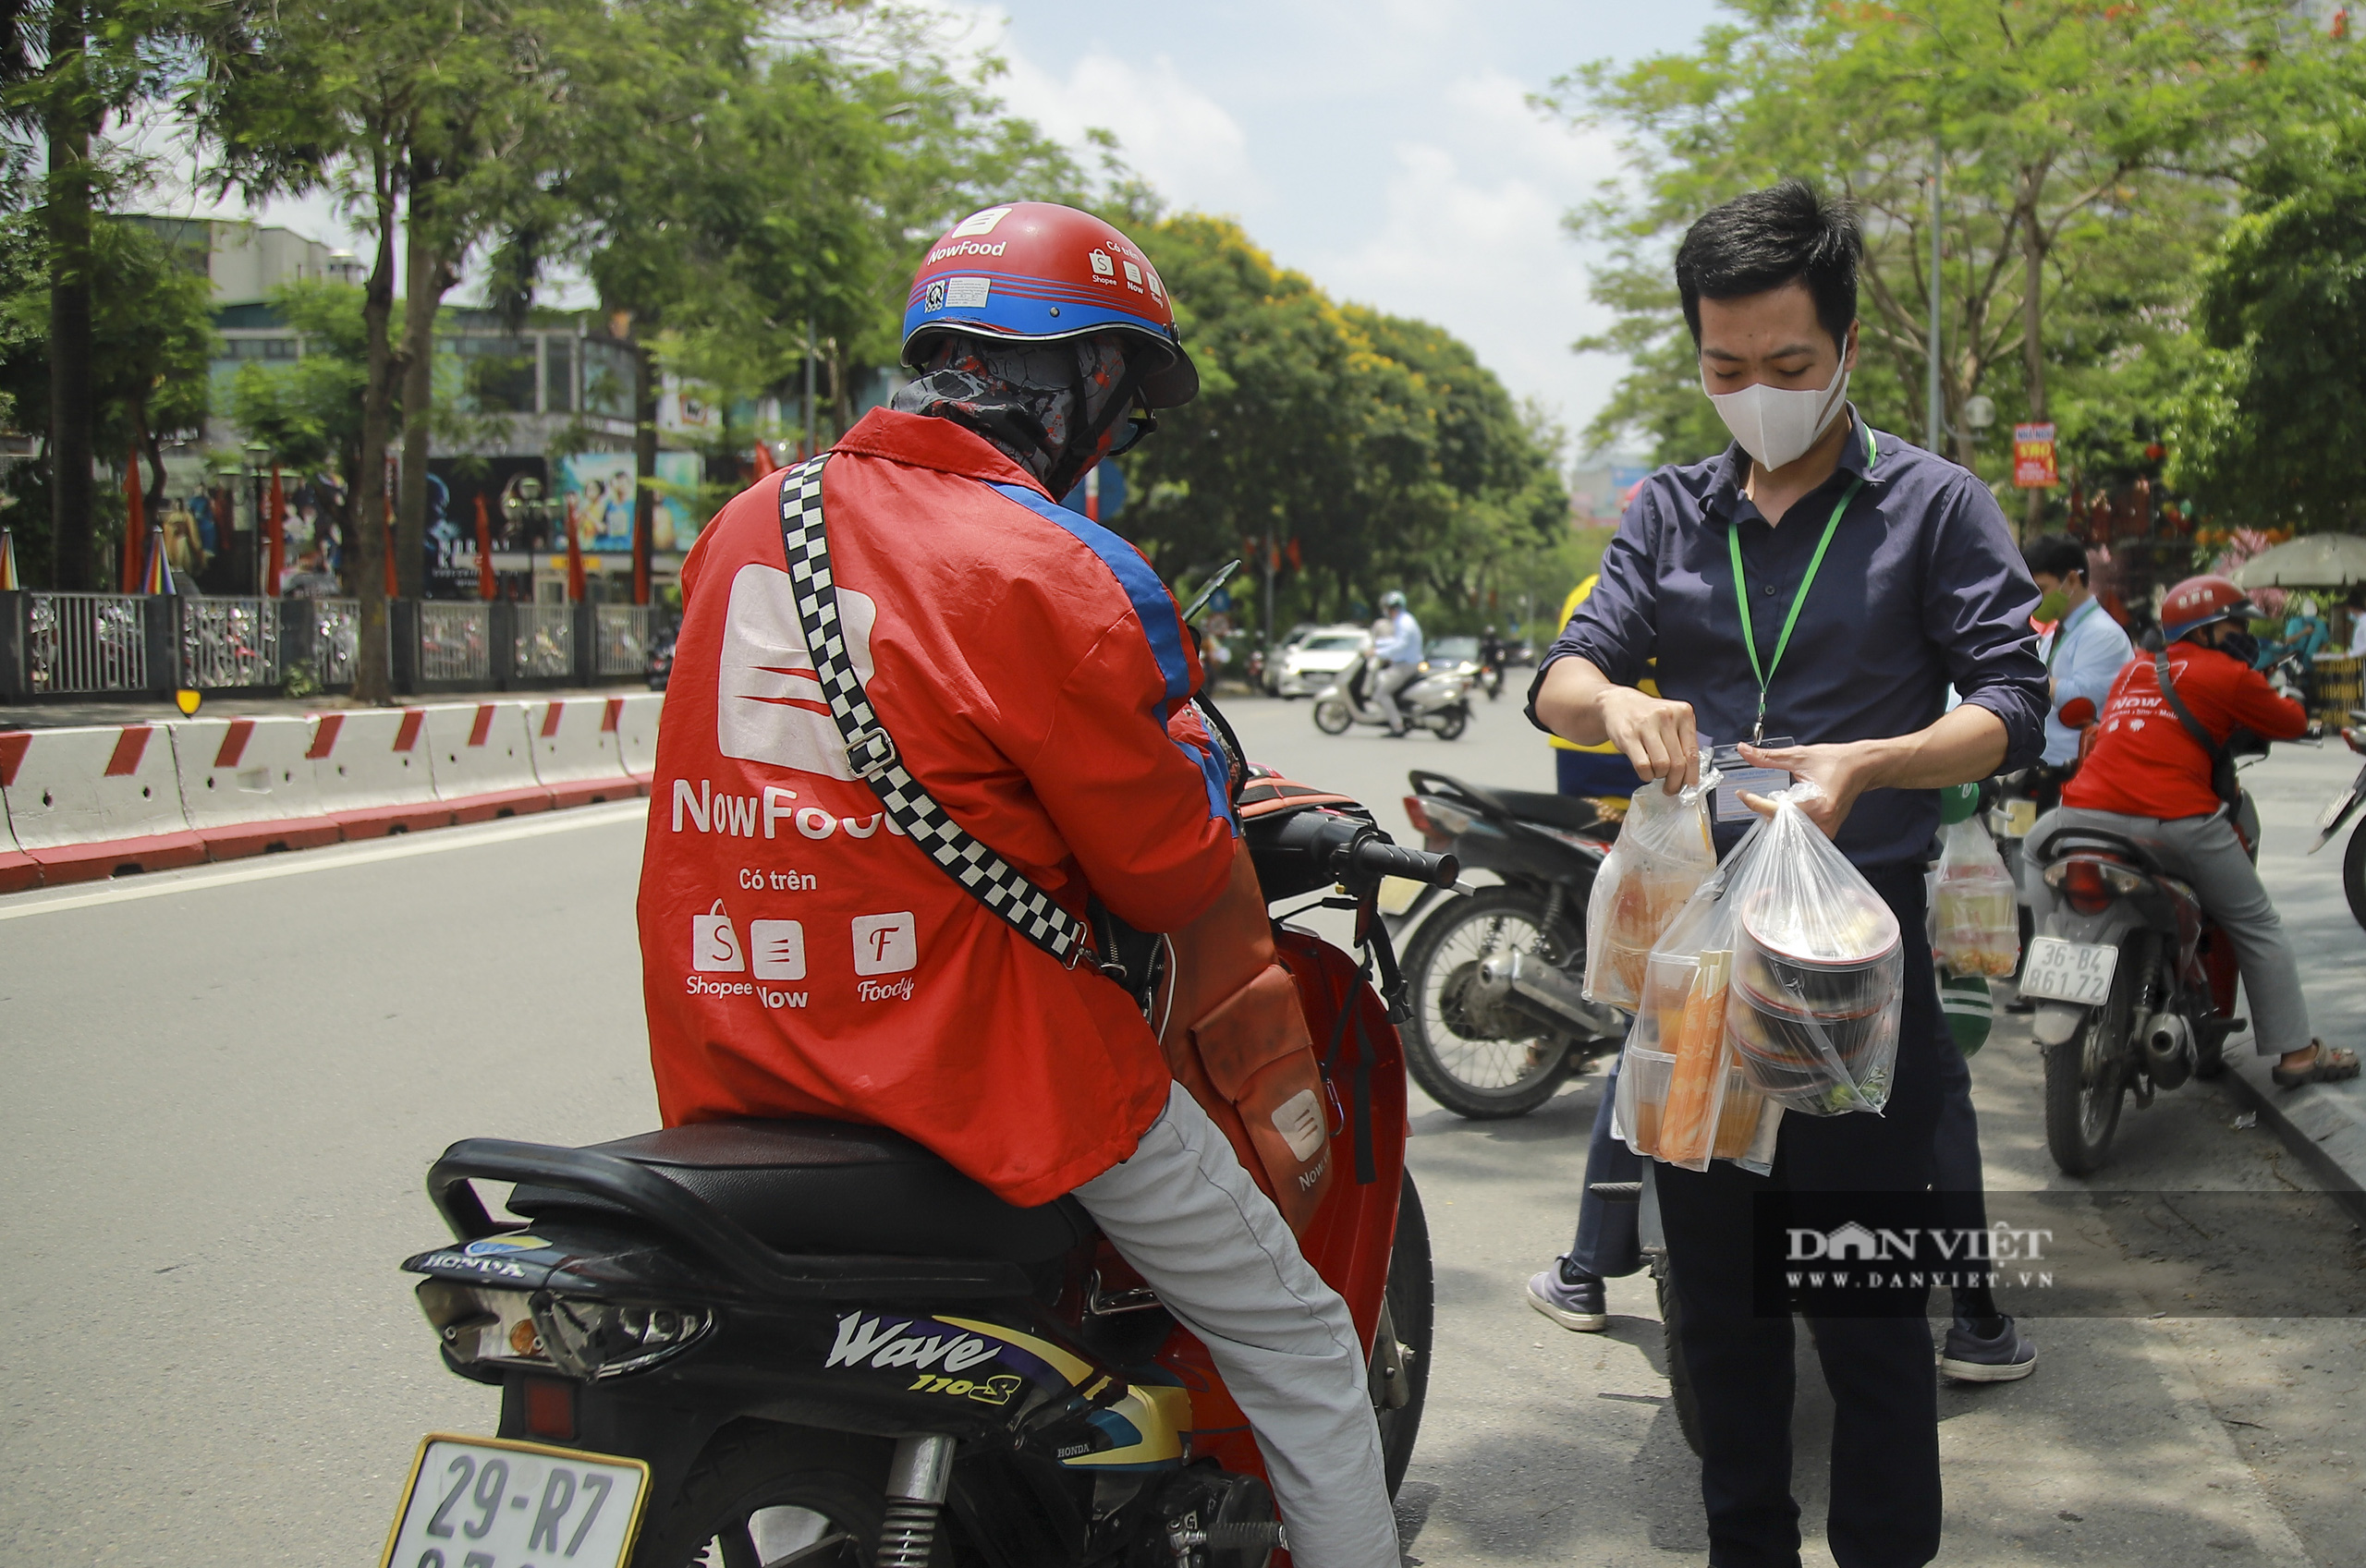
(1544, 993)
(2168, 1050)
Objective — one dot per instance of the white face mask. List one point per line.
(1776, 425)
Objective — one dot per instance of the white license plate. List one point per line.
(2014, 818)
(1397, 895)
(2068, 971)
(488, 1503)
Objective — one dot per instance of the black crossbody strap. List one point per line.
(993, 880)
(2221, 762)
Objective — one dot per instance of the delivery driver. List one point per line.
(803, 958)
(2149, 779)
(1825, 581)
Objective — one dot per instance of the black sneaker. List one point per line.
(1998, 1358)
(1577, 1305)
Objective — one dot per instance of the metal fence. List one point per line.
(622, 645)
(337, 634)
(455, 642)
(545, 641)
(85, 642)
(229, 642)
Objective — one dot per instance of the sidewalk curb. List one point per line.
(2325, 1127)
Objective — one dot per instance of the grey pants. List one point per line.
(2205, 852)
(1393, 679)
(1184, 1213)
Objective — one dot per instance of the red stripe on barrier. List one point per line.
(324, 737)
(550, 718)
(406, 736)
(128, 747)
(234, 743)
(615, 712)
(12, 755)
(483, 725)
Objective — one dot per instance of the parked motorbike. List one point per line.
(2337, 813)
(1496, 981)
(811, 1342)
(2134, 982)
(1437, 700)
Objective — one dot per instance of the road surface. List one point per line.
(224, 1087)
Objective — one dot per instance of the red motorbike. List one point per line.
(811, 1342)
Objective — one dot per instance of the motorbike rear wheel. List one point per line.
(1493, 1064)
(1331, 716)
(1452, 723)
(768, 1495)
(2353, 872)
(1412, 1294)
(1680, 1392)
(2086, 1075)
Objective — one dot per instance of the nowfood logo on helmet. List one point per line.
(1039, 272)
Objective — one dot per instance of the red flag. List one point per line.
(275, 535)
(135, 522)
(765, 463)
(574, 557)
(486, 586)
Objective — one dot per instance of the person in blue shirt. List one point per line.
(2086, 648)
(1824, 582)
(1397, 649)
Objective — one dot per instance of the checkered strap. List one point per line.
(993, 880)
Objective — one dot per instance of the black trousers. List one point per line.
(1885, 1496)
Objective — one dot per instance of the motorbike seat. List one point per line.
(1573, 812)
(815, 1186)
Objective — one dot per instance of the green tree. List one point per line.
(2084, 152)
(2267, 430)
(308, 410)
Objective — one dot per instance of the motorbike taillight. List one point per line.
(2082, 884)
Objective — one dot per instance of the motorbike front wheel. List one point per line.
(770, 1496)
(2353, 872)
(1412, 1292)
(1331, 716)
(1680, 1392)
(1452, 723)
(1484, 1061)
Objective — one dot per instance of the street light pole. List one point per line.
(1932, 421)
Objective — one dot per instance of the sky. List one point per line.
(1386, 147)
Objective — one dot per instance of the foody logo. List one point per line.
(878, 1342)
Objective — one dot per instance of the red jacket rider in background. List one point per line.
(802, 957)
(2148, 779)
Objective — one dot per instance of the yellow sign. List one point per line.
(186, 699)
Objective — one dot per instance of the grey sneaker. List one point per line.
(1576, 1306)
(1999, 1359)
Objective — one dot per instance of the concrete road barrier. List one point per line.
(635, 719)
(96, 801)
(248, 786)
(19, 870)
(482, 757)
(574, 750)
(371, 769)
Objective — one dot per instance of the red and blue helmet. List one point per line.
(1038, 272)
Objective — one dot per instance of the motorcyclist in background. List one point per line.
(1031, 672)
(2149, 779)
(1396, 648)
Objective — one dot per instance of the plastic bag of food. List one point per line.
(1819, 968)
(1976, 919)
(1663, 852)
(1682, 1097)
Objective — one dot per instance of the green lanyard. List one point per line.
(1765, 673)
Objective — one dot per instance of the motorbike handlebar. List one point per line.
(1352, 851)
(1376, 858)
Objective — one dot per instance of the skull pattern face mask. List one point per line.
(1053, 409)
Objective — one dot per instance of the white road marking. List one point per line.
(328, 858)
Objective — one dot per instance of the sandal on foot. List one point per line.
(2332, 1065)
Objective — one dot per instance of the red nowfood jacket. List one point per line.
(2144, 764)
(799, 956)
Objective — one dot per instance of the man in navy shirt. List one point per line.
(1822, 582)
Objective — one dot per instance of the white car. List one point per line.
(1315, 659)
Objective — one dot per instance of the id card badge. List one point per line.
(1740, 776)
